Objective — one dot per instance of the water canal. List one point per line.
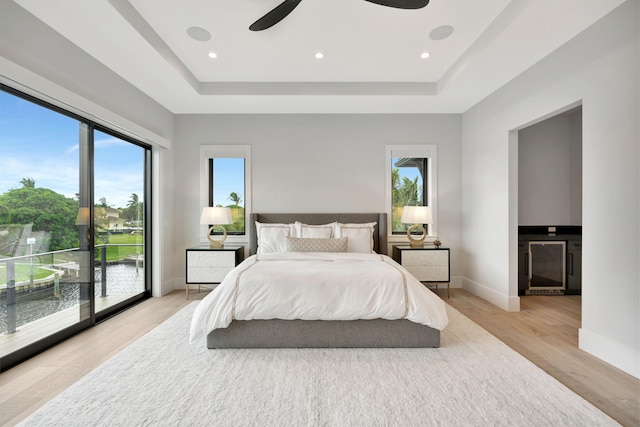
(123, 279)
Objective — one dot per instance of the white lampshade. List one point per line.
(416, 215)
(216, 216)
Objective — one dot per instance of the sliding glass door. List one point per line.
(119, 219)
(66, 258)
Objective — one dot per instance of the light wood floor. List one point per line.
(545, 331)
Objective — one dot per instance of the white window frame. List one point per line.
(208, 152)
(429, 151)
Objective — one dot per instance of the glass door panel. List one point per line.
(43, 243)
(119, 220)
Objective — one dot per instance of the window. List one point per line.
(227, 189)
(411, 181)
(225, 178)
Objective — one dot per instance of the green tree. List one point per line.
(47, 210)
(395, 185)
(5, 214)
(235, 199)
(28, 182)
(134, 210)
(409, 191)
(134, 200)
(404, 192)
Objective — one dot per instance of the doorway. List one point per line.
(550, 203)
(546, 174)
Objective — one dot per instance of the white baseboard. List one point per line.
(170, 285)
(456, 282)
(623, 358)
(505, 302)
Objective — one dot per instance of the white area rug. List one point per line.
(473, 379)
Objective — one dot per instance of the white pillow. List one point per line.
(360, 236)
(314, 231)
(272, 237)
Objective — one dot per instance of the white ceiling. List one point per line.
(371, 58)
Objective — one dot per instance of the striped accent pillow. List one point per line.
(297, 244)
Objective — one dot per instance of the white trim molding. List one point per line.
(505, 302)
(615, 354)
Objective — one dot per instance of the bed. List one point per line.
(235, 315)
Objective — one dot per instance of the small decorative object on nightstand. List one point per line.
(416, 215)
(437, 243)
(428, 265)
(216, 217)
(209, 266)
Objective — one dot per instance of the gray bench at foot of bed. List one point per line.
(276, 333)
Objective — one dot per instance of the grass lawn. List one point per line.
(115, 253)
(23, 271)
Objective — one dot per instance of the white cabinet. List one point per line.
(207, 266)
(427, 264)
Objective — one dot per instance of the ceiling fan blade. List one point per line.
(276, 15)
(402, 4)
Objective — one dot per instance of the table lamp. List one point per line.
(215, 217)
(416, 215)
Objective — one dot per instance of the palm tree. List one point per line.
(395, 186)
(28, 182)
(235, 198)
(134, 204)
(409, 191)
(133, 201)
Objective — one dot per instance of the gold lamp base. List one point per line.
(219, 243)
(419, 242)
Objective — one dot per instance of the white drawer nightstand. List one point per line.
(209, 266)
(427, 264)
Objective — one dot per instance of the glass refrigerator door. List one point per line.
(547, 261)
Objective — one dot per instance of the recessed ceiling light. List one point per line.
(199, 34)
(425, 55)
(319, 55)
(441, 32)
(213, 55)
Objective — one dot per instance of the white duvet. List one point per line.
(317, 286)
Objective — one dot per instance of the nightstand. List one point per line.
(209, 266)
(429, 265)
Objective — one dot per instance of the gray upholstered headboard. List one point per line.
(379, 232)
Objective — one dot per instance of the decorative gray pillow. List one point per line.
(297, 244)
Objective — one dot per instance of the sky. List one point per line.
(41, 144)
(228, 177)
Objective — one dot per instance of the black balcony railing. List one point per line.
(65, 263)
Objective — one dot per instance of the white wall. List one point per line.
(599, 69)
(316, 163)
(550, 172)
(575, 166)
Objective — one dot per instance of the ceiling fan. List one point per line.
(283, 9)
